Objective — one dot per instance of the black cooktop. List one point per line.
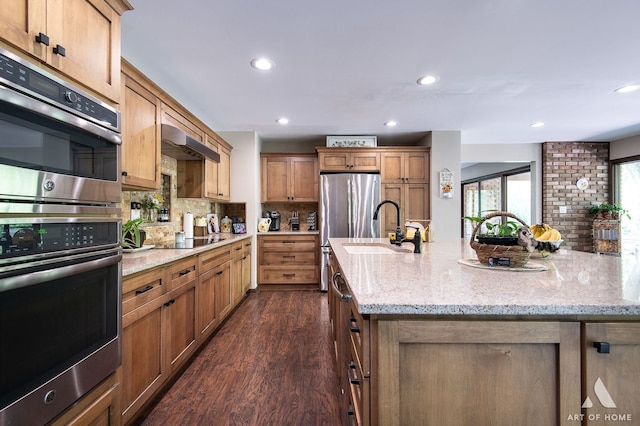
(190, 243)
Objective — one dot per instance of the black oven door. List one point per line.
(50, 159)
(59, 332)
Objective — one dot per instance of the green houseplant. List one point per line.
(132, 236)
(608, 211)
(503, 233)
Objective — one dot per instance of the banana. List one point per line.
(545, 236)
(555, 235)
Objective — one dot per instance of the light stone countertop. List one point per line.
(576, 284)
(275, 233)
(140, 261)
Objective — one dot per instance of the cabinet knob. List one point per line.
(124, 173)
(59, 50)
(43, 39)
(602, 347)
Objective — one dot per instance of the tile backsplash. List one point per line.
(163, 231)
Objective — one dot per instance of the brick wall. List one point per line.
(563, 164)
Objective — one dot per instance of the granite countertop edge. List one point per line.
(133, 263)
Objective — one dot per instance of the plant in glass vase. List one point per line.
(151, 204)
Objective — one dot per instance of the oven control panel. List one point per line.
(20, 74)
(22, 239)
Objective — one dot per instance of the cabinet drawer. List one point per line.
(142, 288)
(297, 257)
(236, 249)
(289, 243)
(212, 259)
(296, 275)
(182, 272)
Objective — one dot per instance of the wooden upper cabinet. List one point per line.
(218, 175)
(408, 165)
(349, 159)
(289, 178)
(83, 38)
(140, 133)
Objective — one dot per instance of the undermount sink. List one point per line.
(374, 249)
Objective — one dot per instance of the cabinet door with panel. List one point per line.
(611, 364)
(465, 372)
(140, 133)
(413, 200)
(349, 159)
(289, 178)
(80, 39)
(143, 371)
(406, 165)
(180, 317)
(223, 300)
(211, 268)
(218, 175)
(246, 265)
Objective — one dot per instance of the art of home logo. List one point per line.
(605, 400)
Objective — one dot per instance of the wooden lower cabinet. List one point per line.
(611, 378)
(100, 407)
(288, 259)
(240, 270)
(167, 313)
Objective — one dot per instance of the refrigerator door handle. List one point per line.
(350, 207)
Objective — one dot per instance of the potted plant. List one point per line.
(608, 211)
(132, 236)
(505, 234)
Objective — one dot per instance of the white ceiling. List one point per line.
(344, 67)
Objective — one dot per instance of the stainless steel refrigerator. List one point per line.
(347, 204)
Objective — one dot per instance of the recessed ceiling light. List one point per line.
(262, 64)
(538, 124)
(627, 89)
(427, 79)
(391, 123)
(282, 120)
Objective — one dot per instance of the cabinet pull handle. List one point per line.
(43, 39)
(144, 290)
(289, 275)
(219, 273)
(124, 173)
(238, 248)
(170, 302)
(59, 50)
(351, 372)
(334, 285)
(185, 272)
(353, 325)
(350, 415)
(244, 257)
(288, 257)
(288, 242)
(602, 347)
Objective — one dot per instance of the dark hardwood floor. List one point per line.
(271, 363)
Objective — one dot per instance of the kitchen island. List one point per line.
(426, 339)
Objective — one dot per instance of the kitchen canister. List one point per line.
(225, 224)
(188, 225)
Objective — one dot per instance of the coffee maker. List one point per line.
(275, 220)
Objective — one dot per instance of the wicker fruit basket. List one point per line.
(518, 255)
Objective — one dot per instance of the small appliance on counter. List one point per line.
(275, 220)
(311, 221)
(294, 221)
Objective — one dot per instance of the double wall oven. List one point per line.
(60, 255)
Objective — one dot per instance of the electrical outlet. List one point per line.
(563, 209)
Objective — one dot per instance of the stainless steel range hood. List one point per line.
(177, 144)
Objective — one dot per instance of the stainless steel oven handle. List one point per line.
(39, 277)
